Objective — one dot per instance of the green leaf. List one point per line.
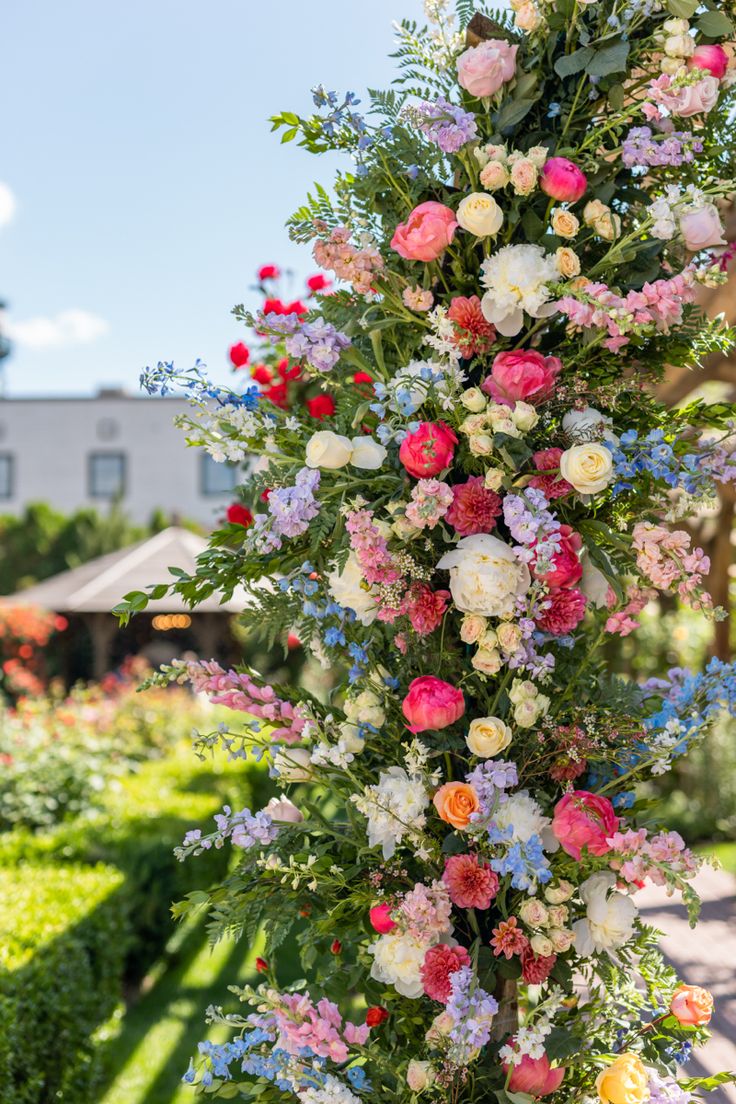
(574, 63)
(715, 24)
(532, 224)
(289, 135)
(616, 95)
(609, 59)
(512, 112)
(682, 9)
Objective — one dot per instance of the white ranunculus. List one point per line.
(485, 576)
(587, 424)
(594, 584)
(488, 736)
(368, 453)
(516, 277)
(397, 960)
(326, 449)
(609, 922)
(281, 809)
(349, 589)
(293, 764)
(479, 214)
(588, 467)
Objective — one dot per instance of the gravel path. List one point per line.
(704, 956)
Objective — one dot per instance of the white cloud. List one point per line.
(69, 327)
(7, 204)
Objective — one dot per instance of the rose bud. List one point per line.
(380, 918)
(562, 180)
(375, 1016)
(336, 946)
(261, 965)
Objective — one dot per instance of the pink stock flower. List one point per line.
(564, 610)
(426, 234)
(432, 704)
(550, 482)
(428, 450)
(527, 376)
(425, 607)
(472, 884)
(483, 69)
(567, 569)
(417, 299)
(320, 1027)
(474, 508)
(426, 911)
(535, 1076)
(624, 622)
(582, 819)
(430, 501)
(712, 58)
(380, 919)
(440, 963)
(562, 180)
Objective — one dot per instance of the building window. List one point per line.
(217, 478)
(106, 474)
(6, 475)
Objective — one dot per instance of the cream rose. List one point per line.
(487, 661)
(488, 736)
(524, 174)
(473, 400)
(480, 444)
(493, 478)
(479, 214)
(588, 467)
(534, 913)
(600, 218)
(293, 765)
(367, 453)
(485, 576)
(509, 636)
(542, 945)
(472, 628)
(494, 175)
(326, 449)
(567, 261)
(565, 224)
(524, 416)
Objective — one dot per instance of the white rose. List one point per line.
(280, 808)
(493, 478)
(538, 155)
(556, 894)
(293, 764)
(367, 453)
(526, 713)
(542, 945)
(679, 45)
(479, 214)
(562, 939)
(473, 399)
(485, 576)
(588, 467)
(522, 690)
(587, 424)
(397, 960)
(326, 449)
(525, 416)
(509, 636)
(481, 444)
(609, 922)
(488, 736)
(349, 589)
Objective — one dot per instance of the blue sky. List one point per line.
(140, 186)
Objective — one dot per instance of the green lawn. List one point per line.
(725, 853)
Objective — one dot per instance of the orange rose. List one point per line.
(455, 801)
(692, 1005)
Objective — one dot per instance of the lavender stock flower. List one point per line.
(448, 126)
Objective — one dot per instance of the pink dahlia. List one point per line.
(565, 612)
(550, 482)
(425, 607)
(440, 963)
(471, 884)
(474, 508)
(474, 335)
(536, 968)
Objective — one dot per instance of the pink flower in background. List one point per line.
(432, 704)
(417, 299)
(535, 1076)
(440, 963)
(472, 884)
(565, 610)
(567, 569)
(425, 607)
(474, 508)
(319, 1027)
(562, 180)
(624, 622)
(527, 376)
(550, 482)
(428, 450)
(380, 918)
(483, 69)
(426, 234)
(583, 819)
(687, 99)
(712, 58)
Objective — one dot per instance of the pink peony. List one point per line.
(712, 58)
(474, 508)
(562, 180)
(567, 570)
(535, 1076)
(440, 963)
(527, 376)
(380, 918)
(471, 884)
(550, 482)
(535, 969)
(483, 69)
(425, 607)
(427, 232)
(565, 611)
(702, 228)
(428, 450)
(432, 704)
(583, 819)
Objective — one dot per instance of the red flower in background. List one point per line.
(296, 307)
(237, 514)
(269, 272)
(362, 377)
(261, 374)
(376, 1015)
(318, 282)
(275, 306)
(239, 354)
(321, 406)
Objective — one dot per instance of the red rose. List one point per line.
(237, 514)
(269, 272)
(428, 450)
(261, 965)
(321, 406)
(318, 282)
(376, 1015)
(239, 354)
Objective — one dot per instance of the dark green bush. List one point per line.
(63, 933)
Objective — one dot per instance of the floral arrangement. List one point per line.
(460, 834)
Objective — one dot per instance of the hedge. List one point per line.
(62, 947)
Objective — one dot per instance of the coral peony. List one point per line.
(535, 1076)
(428, 450)
(432, 704)
(692, 1005)
(712, 58)
(583, 819)
(427, 232)
(565, 610)
(456, 802)
(483, 69)
(380, 918)
(526, 375)
(567, 569)
(562, 180)
(474, 508)
(471, 883)
(440, 962)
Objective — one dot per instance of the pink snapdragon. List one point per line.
(665, 558)
(371, 548)
(637, 858)
(623, 621)
(681, 98)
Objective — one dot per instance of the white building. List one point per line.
(74, 452)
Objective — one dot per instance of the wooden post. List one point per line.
(506, 1020)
